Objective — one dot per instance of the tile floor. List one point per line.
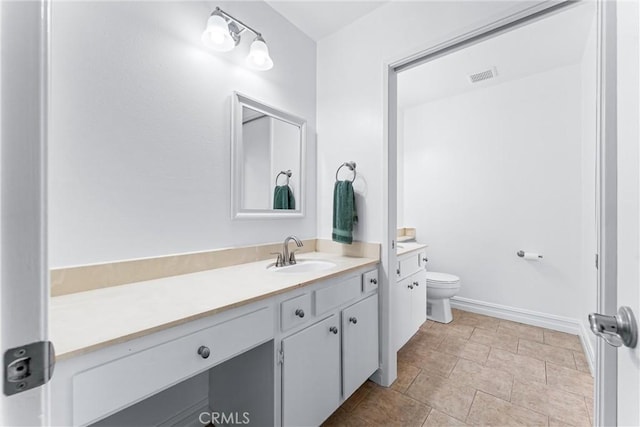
(479, 370)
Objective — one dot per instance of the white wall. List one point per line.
(588, 115)
(496, 170)
(350, 92)
(139, 156)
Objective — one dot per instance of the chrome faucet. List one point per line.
(286, 258)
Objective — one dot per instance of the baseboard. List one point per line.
(534, 318)
(587, 345)
(188, 417)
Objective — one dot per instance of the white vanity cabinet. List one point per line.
(410, 306)
(311, 373)
(359, 343)
(288, 360)
(323, 364)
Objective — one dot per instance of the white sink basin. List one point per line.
(303, 266)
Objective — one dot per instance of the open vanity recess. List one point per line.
(288, 357)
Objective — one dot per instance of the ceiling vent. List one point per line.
(483, 75)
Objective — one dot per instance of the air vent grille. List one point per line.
(483, 75)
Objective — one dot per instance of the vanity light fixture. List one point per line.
(223, 33)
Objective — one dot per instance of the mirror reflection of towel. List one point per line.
(283, 198)
(344, 212)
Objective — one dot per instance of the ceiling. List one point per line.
(318, 19)
(555, 41)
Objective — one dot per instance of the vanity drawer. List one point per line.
(295, 311)
(370, 281)
(336, 295)
(108, 388)
(410, 264)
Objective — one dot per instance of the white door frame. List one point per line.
(24, 272)
(606, 356)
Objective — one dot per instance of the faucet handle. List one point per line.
(292, 256)
(279, 260)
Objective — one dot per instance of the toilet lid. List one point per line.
(442, 278)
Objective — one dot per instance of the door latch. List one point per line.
(28, 366)
(616, 330)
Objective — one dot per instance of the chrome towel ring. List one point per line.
(351, 166)
(286, 173)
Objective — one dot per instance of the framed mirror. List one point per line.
(268, 152)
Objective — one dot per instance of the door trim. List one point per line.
(606, 360)
(24, 283)
(606, 381)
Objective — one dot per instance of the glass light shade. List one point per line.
(217, 36)
(259, 58)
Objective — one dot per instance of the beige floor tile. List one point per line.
(464, 349)
(569, 380)
(553, 422)
(442, 394)
(488, 410)
(516, 364)
(521, 330)
(582, 364)
(454, 329)
(493, 381)
(340, 418)
(566, 407)
(384, 406)
(427, 324)
(431, 337)
(406, 374)
(478, 320)
(440, 419)
(561, 339)
(494, 339)
(590, 407)
(557, 355)
(423, 358)
(357, 396)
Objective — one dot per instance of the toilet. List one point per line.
(440, 288)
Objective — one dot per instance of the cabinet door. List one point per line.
(419, 299)
(311, 374)
(359, 343)
(402, 316)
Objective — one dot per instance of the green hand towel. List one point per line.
(344, 212)
(283, 198)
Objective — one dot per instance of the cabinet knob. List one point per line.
(398, 271)
(353, 320)
(425, 259)
(204, 351)
(374, 281)
(333, 329)
(300, 313)
(410, 286)
(416, 283)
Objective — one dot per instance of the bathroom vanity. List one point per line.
(279, 347)
(410, 302)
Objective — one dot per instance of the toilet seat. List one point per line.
(442, 280)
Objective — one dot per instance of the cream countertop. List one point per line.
(86, 321)
(406, 247)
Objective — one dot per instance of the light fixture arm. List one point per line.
(236, 21)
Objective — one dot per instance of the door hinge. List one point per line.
(281, 357)
(28, 366)
(597, 261)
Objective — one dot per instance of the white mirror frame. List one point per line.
(237, 159)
